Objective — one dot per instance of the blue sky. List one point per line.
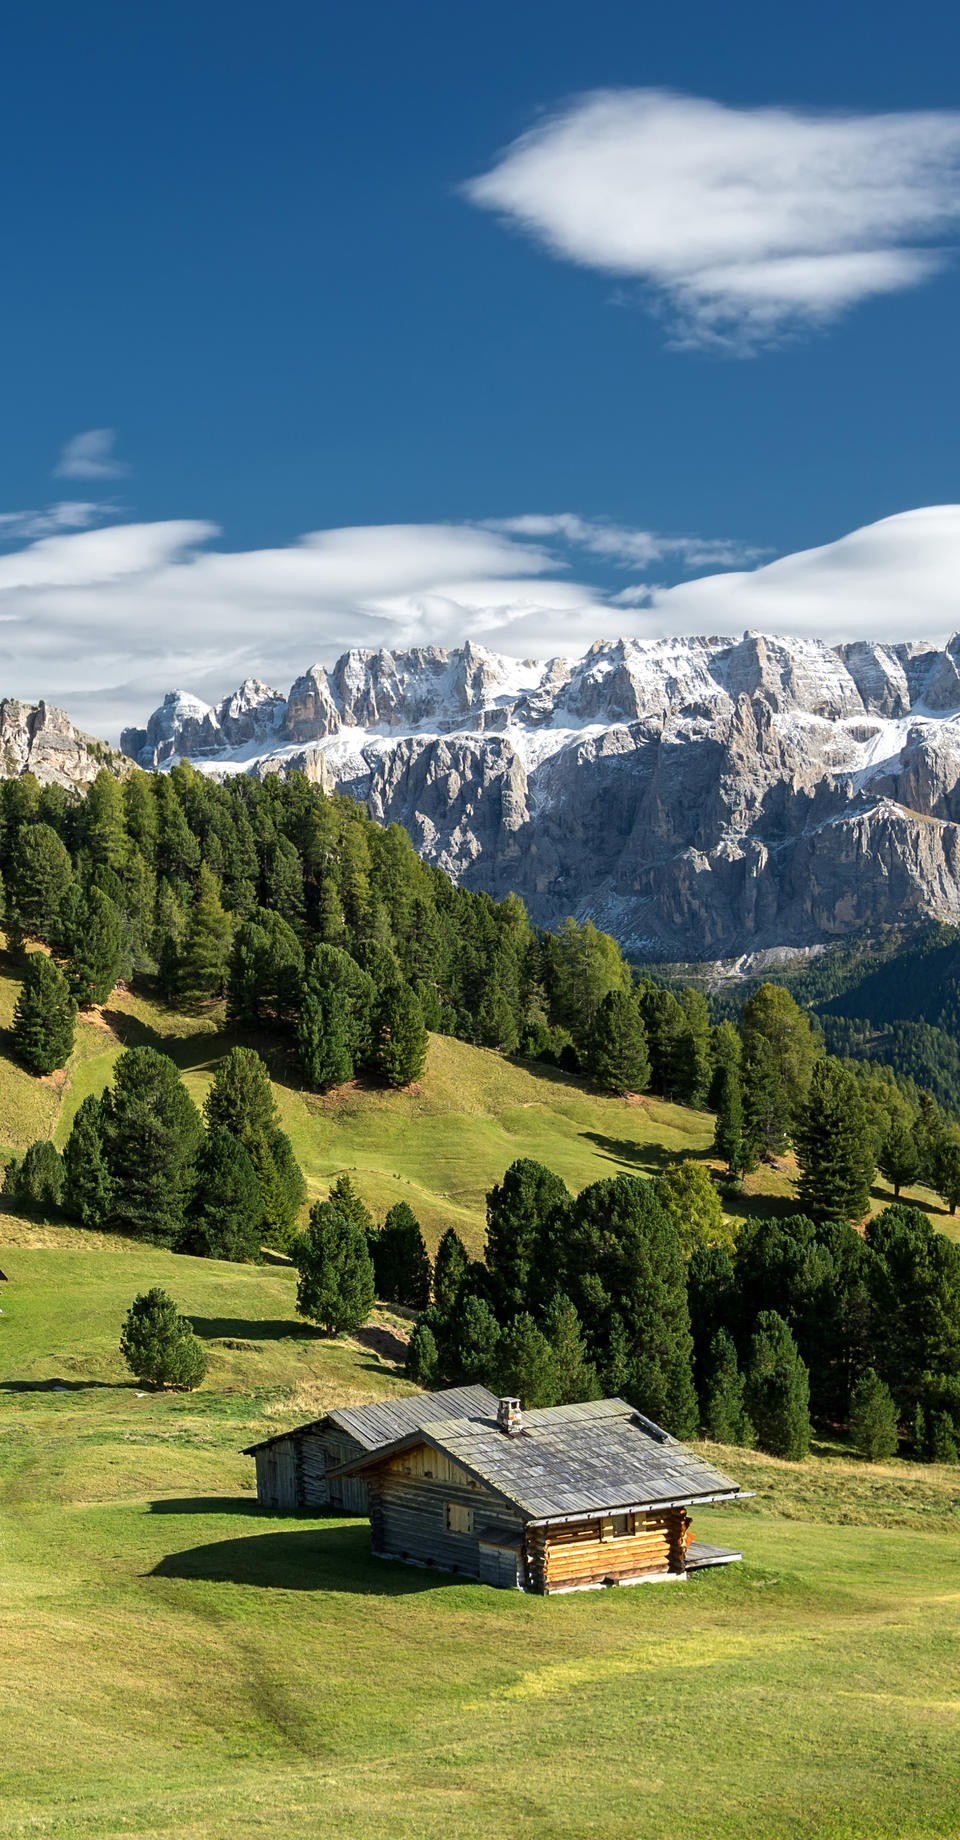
(238, 236)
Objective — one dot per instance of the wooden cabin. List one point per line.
(295, 1469)
(563, 1499)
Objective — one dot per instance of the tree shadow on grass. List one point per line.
(251, 1329)
(652, 1157)
(56, 1385)
(318, 1559)
(211, 1504)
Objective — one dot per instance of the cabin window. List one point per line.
(459, 1519)
(617, 1527)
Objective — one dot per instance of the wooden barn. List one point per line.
(563, 1499)
(294, 1467)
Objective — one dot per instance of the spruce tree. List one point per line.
(946, 1170)
(449, 1272)
(151, 1133)
(834, 1148)
(873, 1418)
(241, 1097)
(725, 1417)
(401, 1036)
(45, 1017)
(39, 876)
(336, 1285)
(729, 1141)
(103, 825)
(525, 1367)
(227, 1209)
(93, 945)
(38, 1180)
(347, 1199)
(574, 1373)
(767, 1115)
(202, 968)
(423, 1361)
(470, 1343)
(323, 1040)
(87, 1192)
(520, 1218)
(400, 1260)
(778, 1389)
(695, 1064)
(159, 1345)
(899, 1158)
(618, 1058)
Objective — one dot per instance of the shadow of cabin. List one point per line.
(334, 1558)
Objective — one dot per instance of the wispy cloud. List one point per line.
(623, 545)
(90, 456)
(744, 225)
(103, 621)
(69, 514)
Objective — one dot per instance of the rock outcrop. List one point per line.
(37, 739)
(700, 798)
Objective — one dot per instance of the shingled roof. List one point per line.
(388, 1420)
(595, 1458)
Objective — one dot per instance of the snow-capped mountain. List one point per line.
(699, 797)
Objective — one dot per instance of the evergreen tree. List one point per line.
(729, 1139)
(87, 1192)
(227, 1209)
(724, 1058)
(470, 1344)
(520, 1220)
(449, 1273)
(833, 1147)
(525, 1367)
(423, 1361)
(665, 1025)
(772, 1016)
(575, 1377)
(899, 1159)
(266, 973)
(40, 874)
(618, 1050)
(873, 1418)
(92, 941)
(778, 1389)
(583, 965)
(695, 1056)
(942, 1441)
(347, 1199)
(152, 1133)
(241, 1098)
(689, 1195)
(767, 1115)
(400, 1260)
(45, 1017)
(725, 1417)
(946, 1170)
(401, 1037)
(323, 1040)
(159, 1345)
(204, 958)
(913, 1278)
(37, 1181)
(103, 825)
(336, 1285)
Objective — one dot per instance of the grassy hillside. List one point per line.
(440, 1145)
(175, 1662)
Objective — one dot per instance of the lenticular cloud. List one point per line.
(744, 224)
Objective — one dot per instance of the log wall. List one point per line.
(293, 1472)
(580, 1553)
(427, 1510)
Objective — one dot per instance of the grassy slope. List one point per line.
(175, 1662)
(439, 1146)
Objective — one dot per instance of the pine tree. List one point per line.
(496, 1021)
(103, 823)
(159, 1345)
(767, 1116)
(40, 874)
(520, 1218)
(772, 1016)
(778, 1389)
(347, 1199)
(688, 1192)
(574, 1373)
(323, 1040)
(946, 1171)
(423, 1362)
(449, 1273)
(400, 1260)
(729, 1141)
(401, 1037)
(204, 959)
(899, 1158)
(241, 1097)
(525, 1366)
(227, 1210)
(725, 1417)
(942, 1441)
(619, 1060)
(695, 1057)
(265, 974)
(45, 1017)
(336, 1285)
(471, 1341)
(87, 1192)
(152, 1133)
(873, 1418)
(37, 1180)
(93, 944)
(834, 1148)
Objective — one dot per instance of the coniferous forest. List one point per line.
(332, 944)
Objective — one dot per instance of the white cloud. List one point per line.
(745, 224)
(102, 622)
(90, 456)
(20, 526)
(624, 546)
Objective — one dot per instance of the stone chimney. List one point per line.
(509, 1416)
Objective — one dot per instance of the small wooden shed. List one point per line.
(295, 1468)
(555, 1500)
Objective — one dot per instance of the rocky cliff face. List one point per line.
(699, 798)
(34, 738)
